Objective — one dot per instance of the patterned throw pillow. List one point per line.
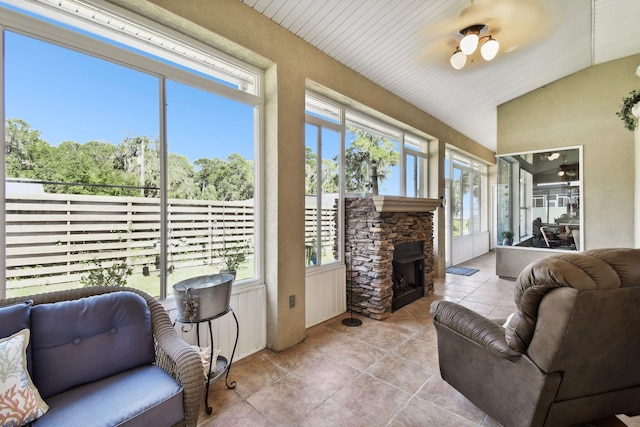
(20, 402)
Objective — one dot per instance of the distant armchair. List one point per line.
(569, 354)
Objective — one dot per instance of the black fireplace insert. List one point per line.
(408, 274)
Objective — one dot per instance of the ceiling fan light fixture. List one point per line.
(469, 44)
(458, 59)
(489, 48)
(471, 36)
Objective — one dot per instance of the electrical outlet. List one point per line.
(292, 301)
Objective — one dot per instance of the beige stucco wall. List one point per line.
(580, 110)
(291, 66)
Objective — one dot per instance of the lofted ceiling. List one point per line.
(405, 45)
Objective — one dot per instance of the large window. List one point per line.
(467, 183)
(415, 166)
(381, 159)
(127, 160)
(539, 199)
(373, 158)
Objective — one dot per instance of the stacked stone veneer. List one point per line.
(370, 239)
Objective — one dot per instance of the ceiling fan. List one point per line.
(489, 28)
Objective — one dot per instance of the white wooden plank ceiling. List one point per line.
(405, 45)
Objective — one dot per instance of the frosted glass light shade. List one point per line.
(458, 60)
(489, 49)
(469, 43)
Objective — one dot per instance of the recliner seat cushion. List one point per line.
(144, 396)
(85, 340)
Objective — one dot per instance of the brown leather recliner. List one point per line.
(570, 353)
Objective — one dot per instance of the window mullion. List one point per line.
(319, 197)
(164, 234)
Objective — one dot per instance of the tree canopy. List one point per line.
(364, 148)
(130, 168)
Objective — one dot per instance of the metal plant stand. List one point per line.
(222, 366)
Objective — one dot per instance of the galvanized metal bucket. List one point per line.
(202, 297)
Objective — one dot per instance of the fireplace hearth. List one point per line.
(389, 252)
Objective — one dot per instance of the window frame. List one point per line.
(324, 112)
(549, 200)
(320, 121)
(397, 135)
(49, 25)
(474, 168)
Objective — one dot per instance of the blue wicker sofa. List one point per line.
(104, 356)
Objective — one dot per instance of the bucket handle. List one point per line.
(184, 288)
(190, 307)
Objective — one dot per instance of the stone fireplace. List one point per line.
(388, 252)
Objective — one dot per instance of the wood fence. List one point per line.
(57, 238)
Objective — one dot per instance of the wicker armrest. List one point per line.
(473, 326)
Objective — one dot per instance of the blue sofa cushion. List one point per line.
(85, 340)
(15, 318)
(144, 396)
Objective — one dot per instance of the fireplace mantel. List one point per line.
(404, 204)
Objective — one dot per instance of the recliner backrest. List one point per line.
(578, 314)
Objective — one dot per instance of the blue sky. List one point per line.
(71, 96)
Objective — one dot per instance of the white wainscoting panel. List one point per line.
(325, 293)
(480, 244)
(249, 306)
(468, 247)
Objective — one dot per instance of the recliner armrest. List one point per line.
(473, 326)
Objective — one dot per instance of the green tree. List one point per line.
(150, 179)
(230, 180)
(329, 172)
(366, 147)
(310, 171)
(131, 156)
(330, 176)
(131, 168)
(23, 146)
(205, 169)
(87, 168)
(181, 178)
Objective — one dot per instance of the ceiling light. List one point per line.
(458, 59)
(471, 35)
(489, 48)
(471, 38)
(553, 156)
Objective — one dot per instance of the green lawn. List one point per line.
(149, 284)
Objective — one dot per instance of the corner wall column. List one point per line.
(636, 203)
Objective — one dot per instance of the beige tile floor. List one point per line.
(377, 374)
